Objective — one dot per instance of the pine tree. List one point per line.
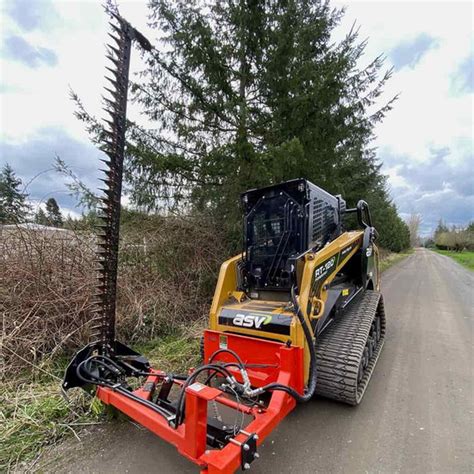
(41, 218)
(258, 94)
(13, 205)
(247, 93)
(53, 213)
(441, 228)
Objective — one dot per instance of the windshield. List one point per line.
(273, 234)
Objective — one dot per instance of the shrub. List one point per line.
(167, 273)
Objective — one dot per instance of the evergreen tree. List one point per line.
(13, 206)
(246, 93)
(258, 94)
(253, 93)
(441, 228)
(41, 218)
(53, 213)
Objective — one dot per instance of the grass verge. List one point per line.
(390, 259)
(465, 258)
(34, 415)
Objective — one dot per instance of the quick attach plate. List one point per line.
(248, 451)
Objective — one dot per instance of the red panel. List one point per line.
(253, 351)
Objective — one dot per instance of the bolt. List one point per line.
(245, 447)
(255, 436)
(256, 455)
(246, 466)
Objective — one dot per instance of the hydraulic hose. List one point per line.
(311, 388)
(229, 351)
(112, 367)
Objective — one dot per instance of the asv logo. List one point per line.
(250, 320)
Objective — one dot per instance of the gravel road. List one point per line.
(417, 414)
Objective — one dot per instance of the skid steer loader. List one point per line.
(298, 313)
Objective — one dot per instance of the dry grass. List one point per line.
(46, 291)
(166, 278)
(168, 274)
(388, 259)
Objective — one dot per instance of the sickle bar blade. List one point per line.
(103, 322)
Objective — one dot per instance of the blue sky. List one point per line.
(425, 143)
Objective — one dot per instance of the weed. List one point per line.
(33, 415)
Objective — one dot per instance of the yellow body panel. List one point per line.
(226, 295)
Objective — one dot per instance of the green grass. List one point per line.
(33, 415)
(465, 258)
(391, 259)
(176, 352)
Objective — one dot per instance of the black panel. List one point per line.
(273, 323)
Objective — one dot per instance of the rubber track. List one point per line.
(340, 348)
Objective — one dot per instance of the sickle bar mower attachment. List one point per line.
(103, 325)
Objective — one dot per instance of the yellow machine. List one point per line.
(294, 238)
(298, 313)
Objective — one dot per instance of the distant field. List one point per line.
(464, 258)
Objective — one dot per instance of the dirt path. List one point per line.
(417, 414)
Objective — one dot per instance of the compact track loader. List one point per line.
(298, 313)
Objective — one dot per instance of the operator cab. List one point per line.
(281, 223)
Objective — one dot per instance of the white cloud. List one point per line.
(34, 100)
(431, 112)
(427, 113)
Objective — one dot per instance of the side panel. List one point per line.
(226, 284)
(319, 270)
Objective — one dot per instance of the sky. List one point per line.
(425, 144)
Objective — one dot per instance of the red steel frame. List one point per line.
(281, 364)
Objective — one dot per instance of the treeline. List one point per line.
(454, 238)
(245, 94)
(15, 207)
